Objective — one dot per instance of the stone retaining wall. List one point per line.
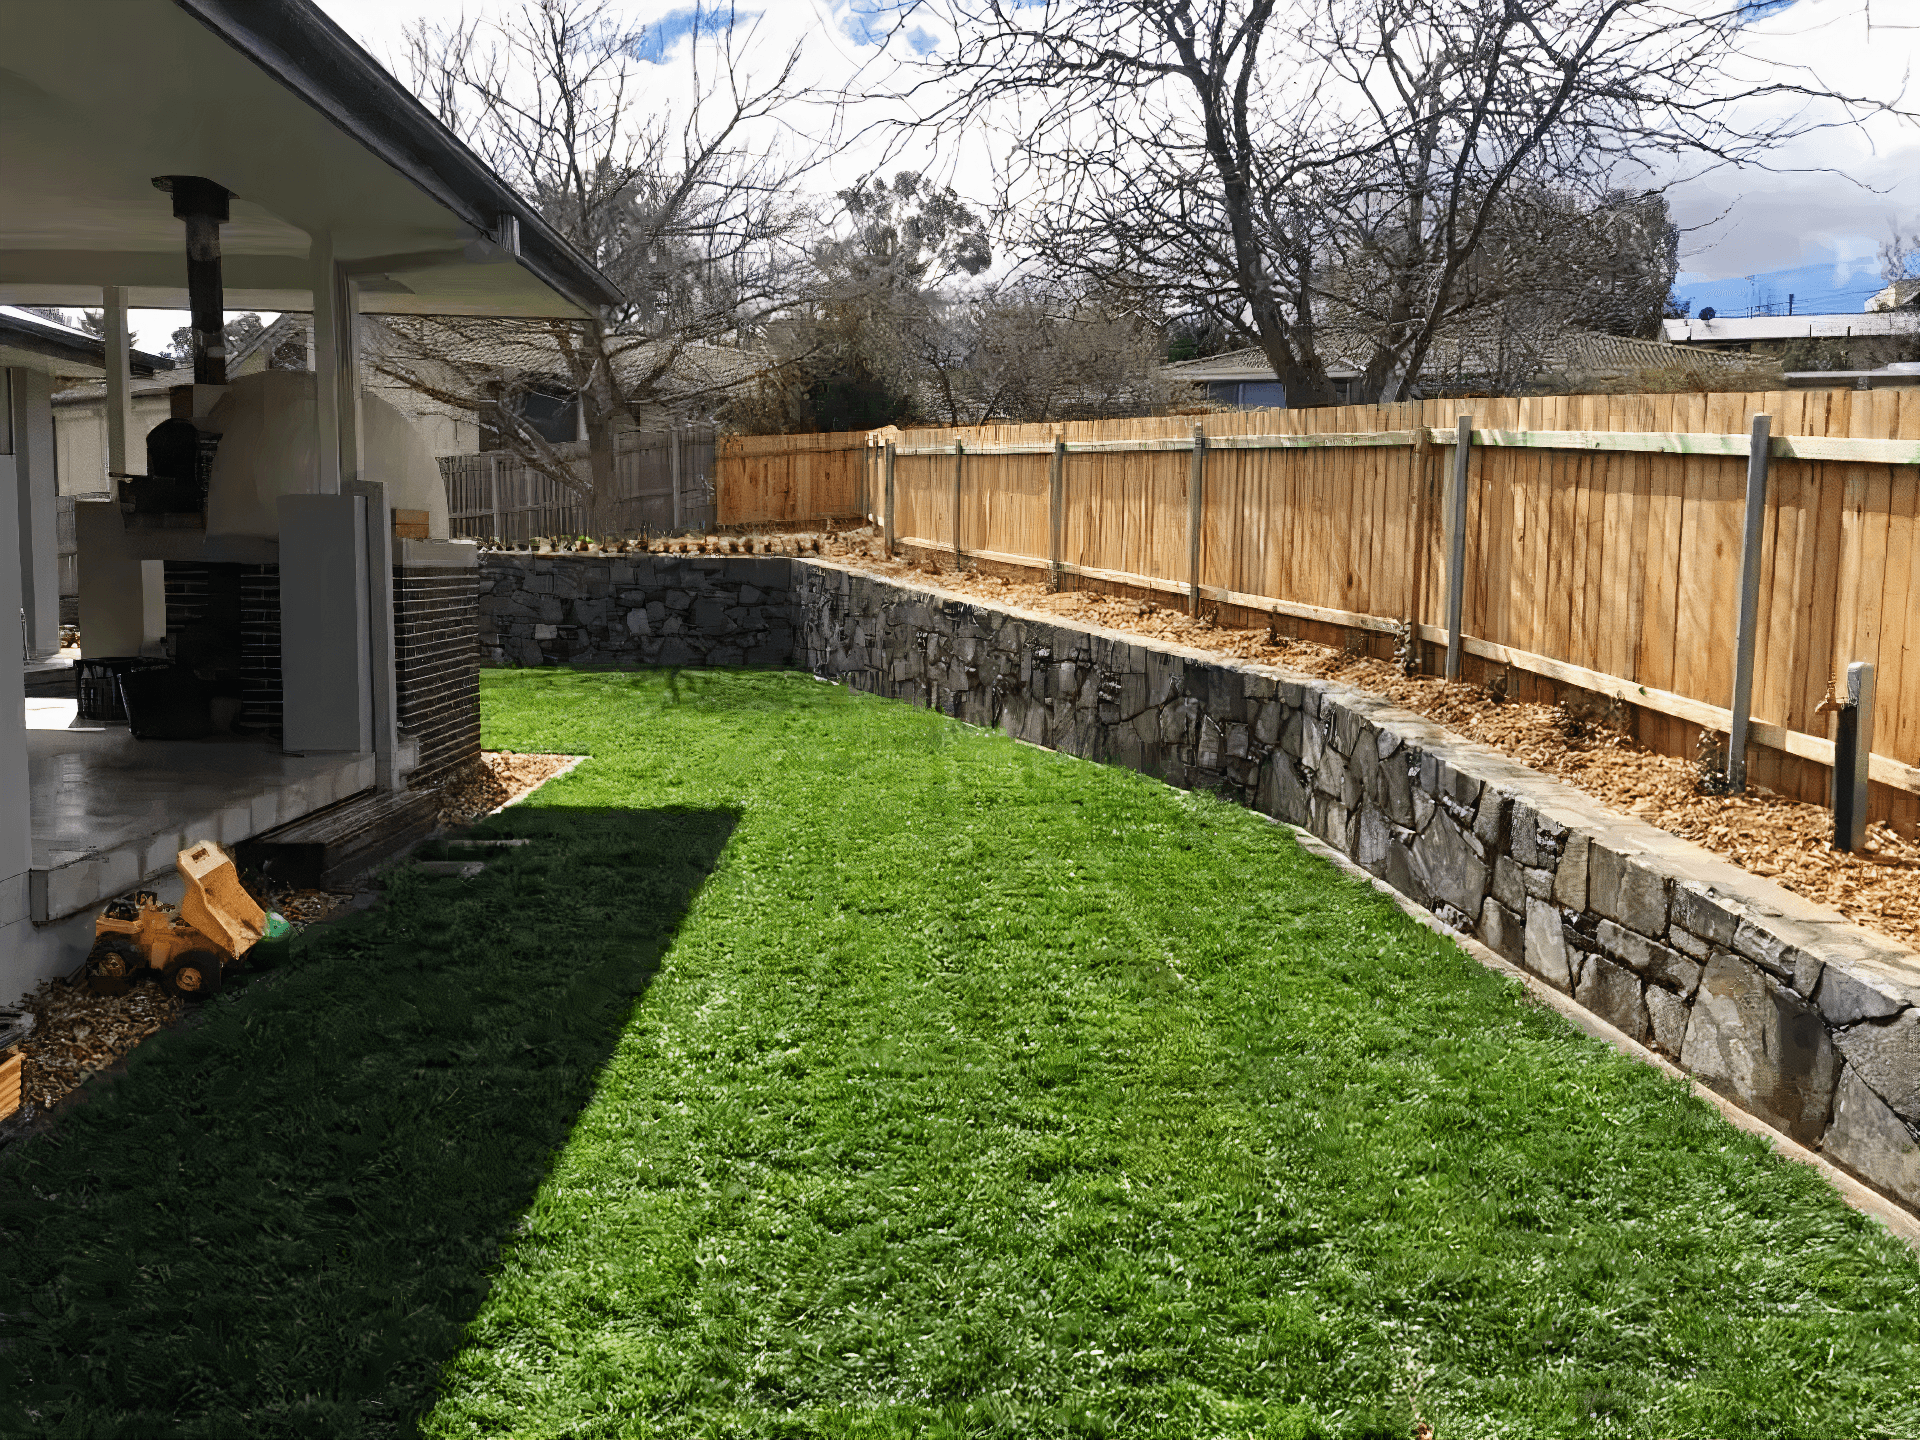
(625, 610)
(1804, 1020)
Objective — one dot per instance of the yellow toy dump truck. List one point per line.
(216, 925)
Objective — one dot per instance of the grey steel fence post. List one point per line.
(493, 493)
(1196, 503)
(1056, 509)
(959, 460)
(1852, 752)
(1744, 633)
(892, 533)
(673, 473)
(1457, 543)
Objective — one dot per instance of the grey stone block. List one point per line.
(1666, 1020)
(1454, 872)
(1177, 721)
(1506, 885)
(1330, 776)
(1626, 892)
(1846, 999)
(1766, 949)
(637, 623)
(1212, 744)
(1752, 1039)
(1366, 773)
(1689, 943)
(1403, 872)
(1399, 791)
(1520, 836)
(1869, 1140)
(1613, 992)
(1374, 837)
(1887, 1055)
(1266, 724)
(1490, 822)
(1570, 876)
(1282, 794)
(1700, 914)
(1649, 957)
(1502, 931)
(1538, 883)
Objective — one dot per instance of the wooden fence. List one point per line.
(795, 479)
(1603, 541)
(662, 483)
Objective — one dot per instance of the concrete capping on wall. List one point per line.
(1804, 1020)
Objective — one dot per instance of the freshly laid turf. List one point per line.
(987, 1092)
(278, 1221)
(979, 1091)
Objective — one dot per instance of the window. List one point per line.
(1248, 394)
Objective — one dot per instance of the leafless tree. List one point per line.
(1900, 266)
(1024, 351)
(1240, 157)
(694, 216)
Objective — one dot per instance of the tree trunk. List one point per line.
(598, 505)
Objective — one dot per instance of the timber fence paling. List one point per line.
(1604, 537)
(491, 495)
(789, 479)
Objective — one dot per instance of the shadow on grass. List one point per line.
(280, 1220)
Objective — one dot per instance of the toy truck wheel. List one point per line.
(195, 975)
(112, 964)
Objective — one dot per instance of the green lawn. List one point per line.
(979, 1091)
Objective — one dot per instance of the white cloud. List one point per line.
(1831, 194)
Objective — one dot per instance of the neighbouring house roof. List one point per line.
(695, 370)
(1905, 372)
(1725, 329)
(270, 99)
(1900, 295)
(1576, 357)
(61, 348)
(243, 359)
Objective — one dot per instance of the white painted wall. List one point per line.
(36, 513)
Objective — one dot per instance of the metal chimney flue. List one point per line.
(202, 205)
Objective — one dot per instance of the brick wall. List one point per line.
(436, 661)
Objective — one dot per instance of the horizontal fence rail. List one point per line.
(662, 482)
(1601, 539)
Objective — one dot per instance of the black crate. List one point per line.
(97, 684)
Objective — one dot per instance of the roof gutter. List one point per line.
(305, 51)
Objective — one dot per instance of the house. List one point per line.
(64, 355)
(1506, 364)
(1838, 342)
(216, 155)
(80, 410)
